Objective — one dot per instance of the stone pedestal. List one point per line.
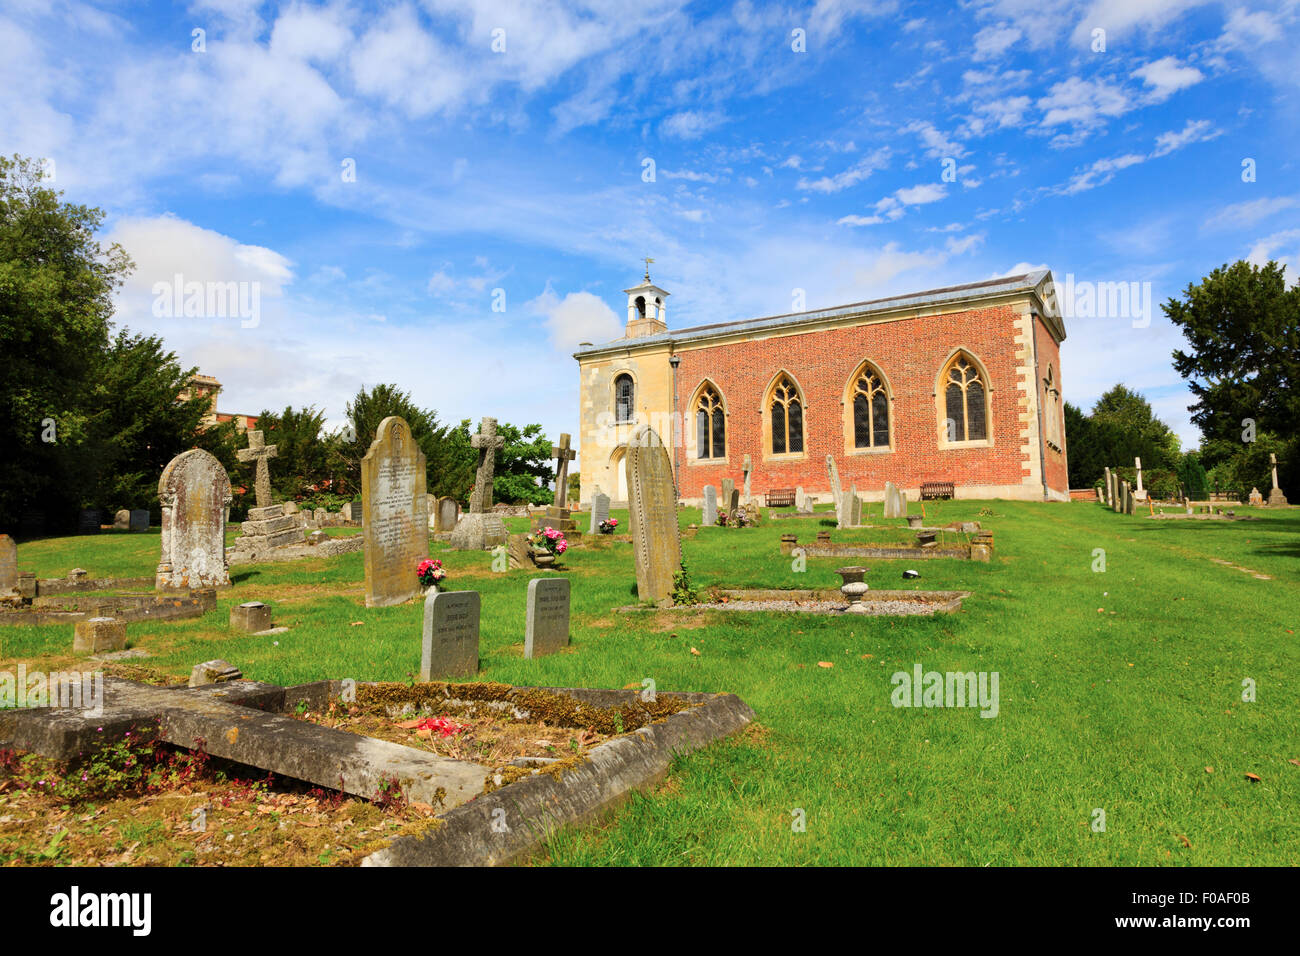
(478, 531)
(99, 635)
(274, 526)
(251, 616)
(1276, 498)
(560, 519)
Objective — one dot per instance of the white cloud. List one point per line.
(920, 194)
(855, 174)
(859, 221)
(690, 124)
(1082, 103)
(1243, 214)
(1166, 77)
(938, 145)
(578, 317)
(992, 42)
(1120, 17)
(163, 246)
(1196, 131)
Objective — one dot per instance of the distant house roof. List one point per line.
(1038, 282)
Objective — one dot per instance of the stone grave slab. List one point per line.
(652, 516)
(599, 511)
(710, 506)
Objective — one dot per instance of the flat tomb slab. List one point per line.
(825, 601)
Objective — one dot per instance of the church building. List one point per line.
(960, 384)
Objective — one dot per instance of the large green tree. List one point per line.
(56, 298)
(1121, 427)
(304, 459)
(1242, 326)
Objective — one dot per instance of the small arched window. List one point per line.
(870, 409)
(965, 397)
(710, 425)
(624, 394)
(787, 418)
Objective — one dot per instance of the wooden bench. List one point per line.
(932, 490)
(780, 498)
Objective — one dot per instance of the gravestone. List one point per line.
(1256, 499)
(122, 520)
(447, 514)
(837, 493)
(396, 526)
(1139, 493)
(358, 510)
(89, 520)
(749, 471)
(652, 516)
(855, 509)
(1105, 487)
(194, 492)
(449, 647)
(8, 566)
(557, 516)
(895, 503)
(139, 519)
(261, 453)
(1275, 497)
(710, 516)
(1117, 505)
(482, 528)
(729, 496)
(546, 621)
(599, 510)
(518, 552)
(805, 503)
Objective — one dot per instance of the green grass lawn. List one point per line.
(1118, 689)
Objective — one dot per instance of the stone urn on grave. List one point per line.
(854, 588)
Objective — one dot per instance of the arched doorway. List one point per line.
(618, 463)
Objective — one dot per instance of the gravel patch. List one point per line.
(822, 607)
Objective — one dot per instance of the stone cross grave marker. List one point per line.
(652, 516)
(230, 720)
(710, 516)
(1275, 496)
(8, 566)
(546, 627)
(194, 492)
(396, 525)
(599, 510)
(749, 471)
(449, 647)
(562, 454)
(261, 453)
(488, 443)
(1139, 492)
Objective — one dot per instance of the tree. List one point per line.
(135, 424)
(1121, 427)
(56, 299)
(365, 413)
(1087, 463)
(1242, 326)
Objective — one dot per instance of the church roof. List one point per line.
(1038, 282)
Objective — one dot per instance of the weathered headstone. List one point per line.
(837, 493)
(599, 510)
(482, 528)
(446, 513)
(1275, 497)
(729, 496)
(1105, 486)
(8, 566)
(194, 492)
(652, 516)
(98, 635)
(1139, 493)
(1256, 499)
(139, 519)
(122, 520)
(710, 516)
(89, 521)
(895, 503)
(396, 527)
(517, 552)
(749, 471)
(450, 641)
(855, 509)
(546, 622)
(1117, 504)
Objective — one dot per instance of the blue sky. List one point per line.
(906, 146)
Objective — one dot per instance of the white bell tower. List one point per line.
(647, 313)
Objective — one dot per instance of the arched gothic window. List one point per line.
(787, 418)
(710, 425)
(624, 393)
(965, 396)
(870, 409)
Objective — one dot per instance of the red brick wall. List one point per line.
(1058, 478)
(910, 353)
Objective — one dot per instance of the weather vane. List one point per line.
(648, 260)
